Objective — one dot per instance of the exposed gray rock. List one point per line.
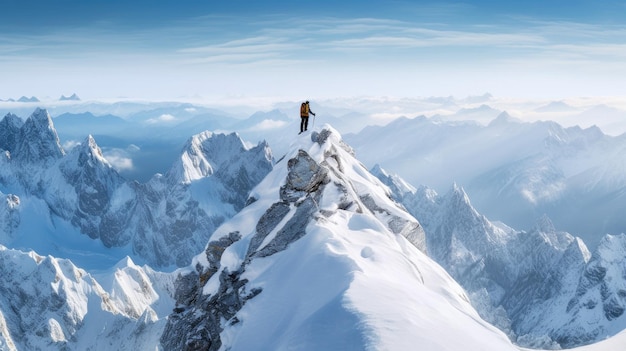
(200, 315)
(267, 223)
(9, 216)
(94, 182)
(294, 229)
(305, 176)
(408, 228)
(38, 141)
(9, 131)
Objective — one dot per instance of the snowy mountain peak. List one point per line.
(73, 97)
(543, 287)
(613, 247)
(556, 106)
(204, 154)
(596, 309)
(38, 140)
(87, 159)
(397, 185)
(91, 148)
(458, 198)
(164, 222)
(323, 241)
(503, 119)
(544, 224)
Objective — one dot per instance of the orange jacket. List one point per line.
(305, 110)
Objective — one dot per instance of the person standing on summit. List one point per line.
(305, 110)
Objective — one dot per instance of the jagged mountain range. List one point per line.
(47, 303)
(317, 246)
(513, 171)
(542, 286)
(318, 218)
(165, 221)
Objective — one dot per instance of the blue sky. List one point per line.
(321, 49)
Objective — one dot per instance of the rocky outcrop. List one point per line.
(9, 216)
(314, 189)
(9, 131)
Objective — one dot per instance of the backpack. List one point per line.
(303, 111)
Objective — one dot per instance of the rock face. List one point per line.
(37, 141)
(600, 295)
(9, 216)
(175, 214)
(9, 130)
(543, 287)
(165, 221)
(296, 258)
(93, 183)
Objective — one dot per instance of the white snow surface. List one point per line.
(48, 303)
(349, 283)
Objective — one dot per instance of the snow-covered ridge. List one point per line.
(322, 258)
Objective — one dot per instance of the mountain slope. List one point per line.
(543, 287)
(322, 258)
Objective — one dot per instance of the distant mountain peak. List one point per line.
(28, 99)
(482, 108)
(203, 153)
(91, 148)
(73, 97)
(503, 119)
(458, 194)
(544, 224)
(38, 139)
(556, 106)
(397, 185)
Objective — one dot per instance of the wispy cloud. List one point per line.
(164, 118)
(267, 124)
(221, 48)
(119, 159)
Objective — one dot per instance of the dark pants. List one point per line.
(304, 124)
